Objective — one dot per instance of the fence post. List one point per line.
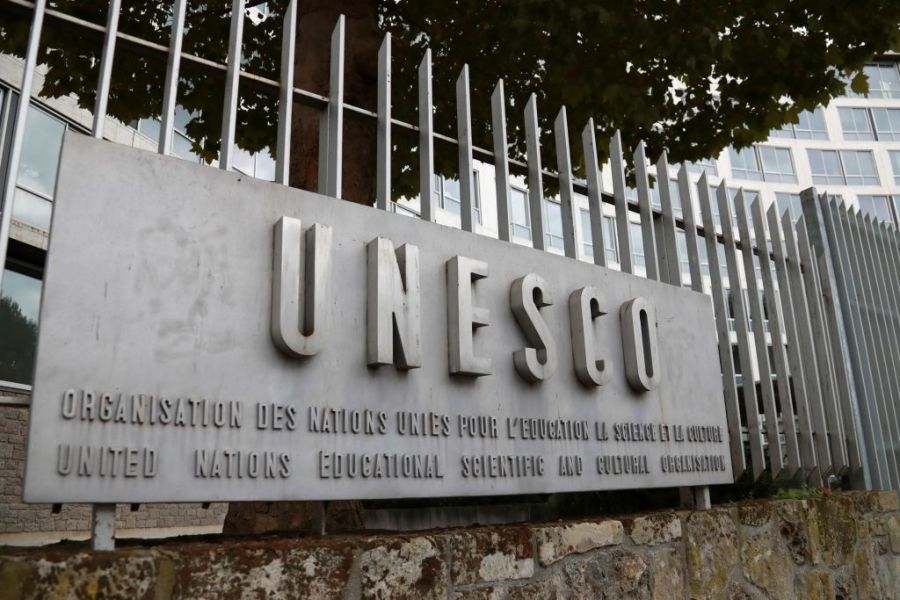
(835, 295)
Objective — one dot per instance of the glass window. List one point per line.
(638, 260)
(32, 209)
(789, 203)
(887, 123)
(19, 306)
(587, 238)
(859, 167)
(402, 210)
(611, 240)
(777, 164)
(825, 167)
(40, 152)
(884, 80)
(855, 124)
(895, 164)
(553, 227)
(811, 125)
(749, 197)
(879, 207)
(476, 196)
(450, 196)
(706, 165)
(683, 262)
(521, 222)
(787, 131)
(744, 164)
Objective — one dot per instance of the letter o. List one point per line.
(639, 344)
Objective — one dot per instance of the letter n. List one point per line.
(393, 305)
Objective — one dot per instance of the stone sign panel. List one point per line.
(205, 336)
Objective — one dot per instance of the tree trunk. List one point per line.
(316, 20)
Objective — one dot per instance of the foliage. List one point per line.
(803, 492)
(18, 343)
(689, 77)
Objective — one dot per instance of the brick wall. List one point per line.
(17, 517)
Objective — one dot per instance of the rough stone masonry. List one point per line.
(843, 545)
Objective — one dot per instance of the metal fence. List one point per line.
(819, 321)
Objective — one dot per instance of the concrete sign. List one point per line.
(206, 337)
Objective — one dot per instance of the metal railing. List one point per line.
(830, 283)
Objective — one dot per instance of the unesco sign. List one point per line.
(208, 337)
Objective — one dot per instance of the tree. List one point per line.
(18, 344)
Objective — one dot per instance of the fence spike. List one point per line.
(642, 181)
(106, 65)
(232, 82)
(617, 162)
(686, 192)
(384, 147)
(566, 190)
(286, 99)
(535, 177)
(667, 244)
(335, 168)
(501, 159)
(170, 90)
(426, 139)
(464, 146)
(595, 193)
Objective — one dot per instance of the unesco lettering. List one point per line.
(302, 299)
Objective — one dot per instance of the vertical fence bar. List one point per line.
(823, 349)
(286, 99)
(335, 168)
(751, 404)
(170, 89)
(686, 192)
(617, 163)
(859, 367)
(232, 82)
(814, 444)
(464, 145)
(426, 139)
(103, 527)
(779, 468)
(566, 191)
(642, 181)
(18, 130)
(106, 65)
(875, 404)
(732, 405)
(383, 151)
(888, 257)
(501, 159)
(873, 339)
(888, 346)
(535, 178)
(669, 265)
(595, 192)
(799, 447)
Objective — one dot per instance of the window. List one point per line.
(859, 167)
(763, 163)
(777, 164)
(887, 123)
(553, 225)
(638, 260)
(404, 210)
(850, 167)
(749, 197)
(37, 168)
(19, 305)
(855, 124)
(884, 80)
(610, 240)
(683, 262)
(879, 207)
(810, 126)
(674, 195)
(521, 220)
(706, 165)
(448, 195)
(587, 237)
(895, 164)
(744, 164)
(789, 203)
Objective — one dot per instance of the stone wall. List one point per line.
(18, 517)
(836, 546)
